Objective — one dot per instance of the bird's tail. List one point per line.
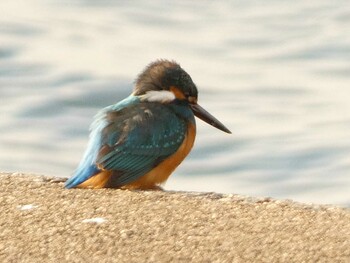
(82, 174)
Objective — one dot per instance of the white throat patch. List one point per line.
(162, 96)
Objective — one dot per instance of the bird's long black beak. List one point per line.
(207, 117)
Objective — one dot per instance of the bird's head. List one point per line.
(165, 81)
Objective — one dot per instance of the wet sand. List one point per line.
(43, 222)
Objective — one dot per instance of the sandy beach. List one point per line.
(43, 222)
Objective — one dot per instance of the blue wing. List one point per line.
(130, 138)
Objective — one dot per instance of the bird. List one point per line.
(138, 142)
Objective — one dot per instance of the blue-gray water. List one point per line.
(277, 73)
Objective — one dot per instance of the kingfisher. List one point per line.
(138, 142)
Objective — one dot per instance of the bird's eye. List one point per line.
(187, 94)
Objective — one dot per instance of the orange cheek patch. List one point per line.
(178, 93)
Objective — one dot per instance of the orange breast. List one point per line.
(157, 175)
(97, 181)
(161, 172)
